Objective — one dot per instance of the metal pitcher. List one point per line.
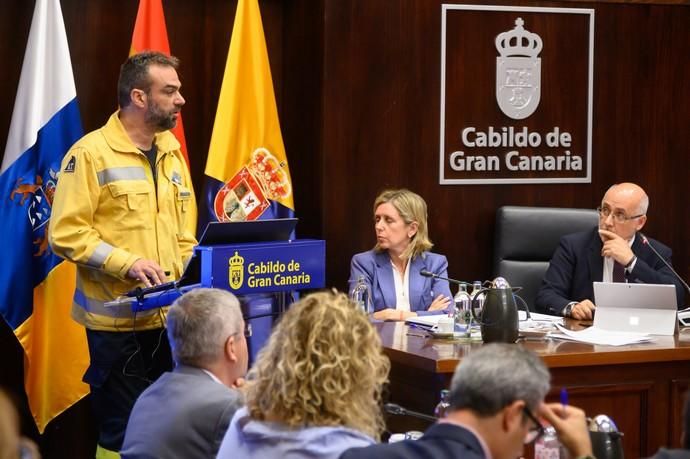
(498, 319)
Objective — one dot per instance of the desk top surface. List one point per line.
(406, 346)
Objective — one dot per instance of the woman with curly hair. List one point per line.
(315, 389)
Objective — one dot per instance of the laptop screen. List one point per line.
(644, 308)
(219, 233)
(635, 296)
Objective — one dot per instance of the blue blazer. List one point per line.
(378, 273)
(577, 263)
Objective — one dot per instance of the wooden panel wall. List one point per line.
(381, 124)
(357, 84)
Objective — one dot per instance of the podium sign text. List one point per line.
(264, 267)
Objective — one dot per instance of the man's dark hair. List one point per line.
(134, 73)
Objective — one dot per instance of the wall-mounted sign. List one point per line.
(516, 95)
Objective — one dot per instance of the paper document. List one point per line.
(542, 317)
(684, 317)
(593, 335)
(426, 321)
(538, 324)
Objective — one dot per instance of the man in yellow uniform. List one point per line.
(124, 212)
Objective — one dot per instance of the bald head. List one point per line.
(632, 194)
(629, 201)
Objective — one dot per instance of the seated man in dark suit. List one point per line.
(613, 252)
(495, 395)
(186, 412)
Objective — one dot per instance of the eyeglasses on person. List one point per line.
(536, 431)
(618, 216)
(247, 331)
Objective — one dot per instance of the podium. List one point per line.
(245, 269)
(256, 272)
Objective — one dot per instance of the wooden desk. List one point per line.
(640, 386)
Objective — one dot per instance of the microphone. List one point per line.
(426, 273)
(140, 292)
(646, 242)
(392, 408)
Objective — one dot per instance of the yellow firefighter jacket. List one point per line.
(107, 214)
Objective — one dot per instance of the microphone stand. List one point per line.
(397, 410)
(646, 242)
(426, 273)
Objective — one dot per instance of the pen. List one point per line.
(564, 399)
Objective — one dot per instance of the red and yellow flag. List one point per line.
(151, 34)
(247, 174)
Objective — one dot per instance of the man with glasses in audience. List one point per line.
(613, 252)
(186, 412)
(496, 396)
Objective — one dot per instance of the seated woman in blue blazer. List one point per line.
(392, 268)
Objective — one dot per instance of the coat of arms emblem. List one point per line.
(518, 71)
(246, 196)
(236, 271)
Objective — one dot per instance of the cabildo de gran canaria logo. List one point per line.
(265, 273)
(236, 271)
(518, 71)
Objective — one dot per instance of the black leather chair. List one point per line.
(526, 238)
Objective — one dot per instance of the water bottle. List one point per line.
(478, 300)
(442, 407)
(548, 446)
(361, 296)
(463, 314)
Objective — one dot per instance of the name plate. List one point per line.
(264, 267)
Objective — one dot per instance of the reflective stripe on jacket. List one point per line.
(107, 214)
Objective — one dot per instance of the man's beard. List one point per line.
(160, 119)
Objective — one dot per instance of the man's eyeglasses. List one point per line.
(247, 332)
(619, 217)
(536, 431)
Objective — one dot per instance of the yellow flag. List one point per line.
(247, 175)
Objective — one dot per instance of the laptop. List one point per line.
(642, 308)
(219, 233)
(272, 229)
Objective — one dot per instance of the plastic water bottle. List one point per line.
(443, 405)
(463, 314)
(478, 300)
(548, 446)
(361, 296)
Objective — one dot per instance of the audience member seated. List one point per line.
(392, 268)
(613, 252)
(12, 444)
(186, 412)
(496, 394)
(315, 388)
(684, 451)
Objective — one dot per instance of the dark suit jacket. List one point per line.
(184, 413)
(664, 453)
(440, 441)
(378, 273)
(578, 262)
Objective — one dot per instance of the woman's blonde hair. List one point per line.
(411, 208)
(323, 366)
